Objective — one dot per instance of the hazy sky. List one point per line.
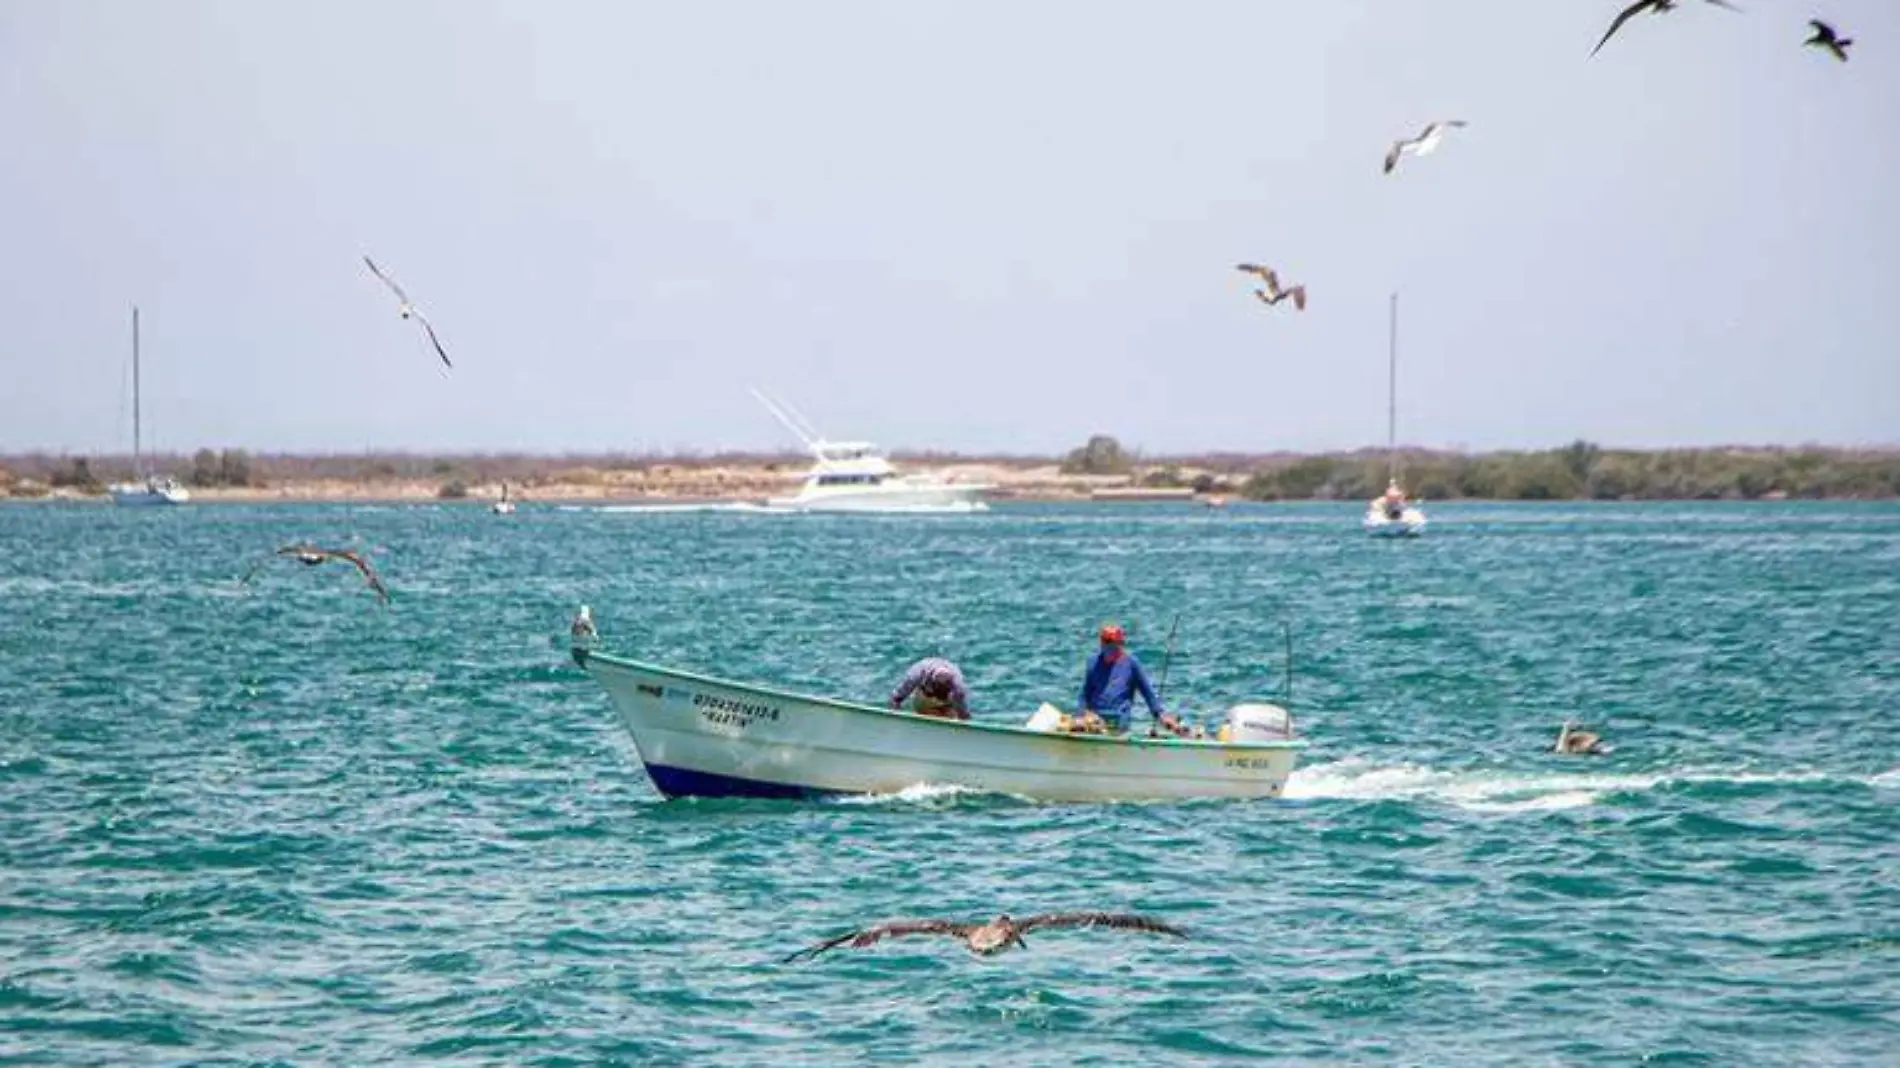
(969, 224)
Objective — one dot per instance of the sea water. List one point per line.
(277, 823)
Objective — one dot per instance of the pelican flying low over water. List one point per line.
(993, 937)
(312, 555)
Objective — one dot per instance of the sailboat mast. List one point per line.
(138, 462)
(1392, 393)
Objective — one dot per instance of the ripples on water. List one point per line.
(280, 824)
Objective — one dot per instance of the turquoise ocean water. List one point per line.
(279, 824)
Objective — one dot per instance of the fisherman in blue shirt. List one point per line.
(1109, 687)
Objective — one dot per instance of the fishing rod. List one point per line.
(1161, 688)
(1286, 630)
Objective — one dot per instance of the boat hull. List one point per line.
(890, 497)
(145, 496)
(700, 736)
(1411, 524)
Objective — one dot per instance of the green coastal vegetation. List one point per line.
(1578, 471)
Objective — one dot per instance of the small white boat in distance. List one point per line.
(855, 476)
(503, 506)
(145, 490)
(704, 737)
(1391, 515)
(152, 491)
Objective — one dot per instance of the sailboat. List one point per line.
(1390, 515)
(145, 487)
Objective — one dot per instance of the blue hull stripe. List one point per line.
(684, 782)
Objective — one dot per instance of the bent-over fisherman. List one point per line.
(1107, 701)
(934, 686)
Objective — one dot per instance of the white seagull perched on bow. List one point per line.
(409, 309)
(1422, 145)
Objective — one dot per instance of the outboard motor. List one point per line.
(1257, 723)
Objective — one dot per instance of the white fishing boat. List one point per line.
(855, 476)
(1391, 515)
(145, 489)
(504, 506)
(707, 737)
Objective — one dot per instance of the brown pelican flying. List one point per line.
(312, 555)
(1274, 293)
(409, 309)
(993, 937)
(1825, 37)
(1654, 7)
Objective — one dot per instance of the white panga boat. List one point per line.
(504, 506)
(705, 737)
(855, 476)
(145, 489)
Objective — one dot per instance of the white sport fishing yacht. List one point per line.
(855, 476)
(145, 489)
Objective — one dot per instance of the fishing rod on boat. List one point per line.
(1167, 654)
(1286, 631)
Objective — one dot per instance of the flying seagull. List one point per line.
(1654, 7)
(312, 555)
(409, 309)
(1572, 740)
(1825, 36)
(993, 937)
(1422, 145)
(1274, 293)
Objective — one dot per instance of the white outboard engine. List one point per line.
(1258, 723)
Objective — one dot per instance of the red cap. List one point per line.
(1112, 634)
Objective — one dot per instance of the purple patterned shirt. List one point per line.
(938, 680)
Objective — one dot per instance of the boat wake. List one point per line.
(1482, 790)
(675, 509)
(923, 793)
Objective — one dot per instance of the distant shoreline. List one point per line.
(1581, 471)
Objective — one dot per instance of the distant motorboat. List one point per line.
(503, 506)
(855, 476)
(145, 489)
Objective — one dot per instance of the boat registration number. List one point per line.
(727, 712)
(1252, 763)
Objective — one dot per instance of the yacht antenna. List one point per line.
(810, 427)
(808, 440)
(1286, 629)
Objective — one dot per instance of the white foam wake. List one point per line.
(1484, 790)
(920, 793)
